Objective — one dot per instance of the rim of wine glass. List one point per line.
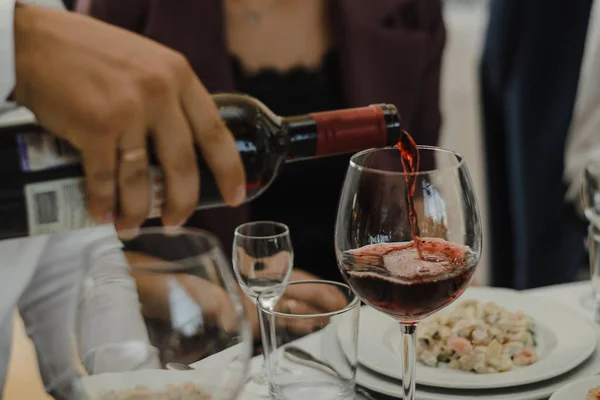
(212, 244)
(361, 168)
(286, 230)
(594, 232)
(352, 304)
(593, 168)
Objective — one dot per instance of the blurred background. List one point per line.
(517, 165)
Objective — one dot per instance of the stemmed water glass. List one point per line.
(263, 259)
(590, 199)
(375, 243)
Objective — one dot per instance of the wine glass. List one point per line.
(263, 259)
(408, 262)
(160, 316)
(590, 200)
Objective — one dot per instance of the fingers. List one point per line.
(299, 326)
(216, 143)
(227, 317)
(153, 293)
(134, 184)
(325, 298)
(212, 301)
(295, 326)
(99, 165)
(333, 299)
(175, 150)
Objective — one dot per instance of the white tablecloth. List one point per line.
(575, 295)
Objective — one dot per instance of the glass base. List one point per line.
(258, 385)
(259, 379)
(314, 390)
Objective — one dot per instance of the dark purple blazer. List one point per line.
(390, 52)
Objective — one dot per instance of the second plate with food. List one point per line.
(582, 389)
(541, 390)
(564, 340)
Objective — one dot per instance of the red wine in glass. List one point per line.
(393, 278)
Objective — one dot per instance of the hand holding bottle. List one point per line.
(43, 189)
(103, 89)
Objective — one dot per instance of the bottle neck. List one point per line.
(342, 131)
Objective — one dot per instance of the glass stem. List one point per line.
(269, 346)
(408, 355)
(594, 250)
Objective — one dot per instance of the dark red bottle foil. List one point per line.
(350, 130)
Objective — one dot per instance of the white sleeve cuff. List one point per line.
(7, 49)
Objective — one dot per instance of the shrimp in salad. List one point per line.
(484, 338)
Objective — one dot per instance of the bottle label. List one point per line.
(57, 206)
(40, 151)
(60, 205)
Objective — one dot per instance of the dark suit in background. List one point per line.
(529, 78)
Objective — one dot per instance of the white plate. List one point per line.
(565, 339)
(391, 387)
(95, 386)
(576, 390)
(211, 374)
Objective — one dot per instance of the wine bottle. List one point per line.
(42, 187)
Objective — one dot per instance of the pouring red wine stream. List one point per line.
(409, 155)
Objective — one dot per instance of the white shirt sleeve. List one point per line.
(7, 49)
(7, 46)
(583, 142)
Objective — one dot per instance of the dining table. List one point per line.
(577, 296)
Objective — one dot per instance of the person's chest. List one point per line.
(279, 35)
(382, 57)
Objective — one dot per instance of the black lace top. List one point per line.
(306, 194)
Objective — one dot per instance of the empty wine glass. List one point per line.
(590, 192)
(154, 307)
(590, 200)
(408, 262)
(263, 259)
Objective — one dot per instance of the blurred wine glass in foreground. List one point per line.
(150, 304)
(408, 242)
